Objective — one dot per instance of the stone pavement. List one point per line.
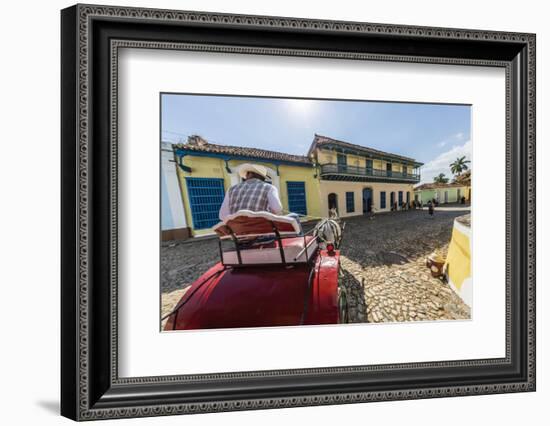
(385, 273)
(383, 264)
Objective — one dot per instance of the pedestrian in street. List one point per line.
(430, 209)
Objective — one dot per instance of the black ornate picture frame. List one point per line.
(91, 37)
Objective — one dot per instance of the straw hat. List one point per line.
(255, 168)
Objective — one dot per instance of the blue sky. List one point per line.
(434, 134)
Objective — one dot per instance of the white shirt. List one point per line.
(273, 203)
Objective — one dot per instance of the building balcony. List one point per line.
(365, 174)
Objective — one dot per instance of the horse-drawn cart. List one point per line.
(270, 274)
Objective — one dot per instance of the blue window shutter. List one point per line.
(342, 161)
(350, 202)
(297, 197)
(382, 199)
(205, 199)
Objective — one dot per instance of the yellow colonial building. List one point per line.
(353, 179)
(206, 171)
(358, 180)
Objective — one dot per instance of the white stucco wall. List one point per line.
(172, 213)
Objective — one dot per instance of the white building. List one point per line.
(173, 224)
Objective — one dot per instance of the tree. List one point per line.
(459, 165)
(440, 178)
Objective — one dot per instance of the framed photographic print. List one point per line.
(264, 212)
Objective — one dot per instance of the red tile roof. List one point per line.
(201, 145)
(465, 178)
(197, 143)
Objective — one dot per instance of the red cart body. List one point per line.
(287, 280)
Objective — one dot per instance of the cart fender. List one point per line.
(323, 304)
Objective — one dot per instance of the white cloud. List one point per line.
(456, 137)
(459, 136)
(441, 163)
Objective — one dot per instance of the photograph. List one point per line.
(264, 209)
(299, 212)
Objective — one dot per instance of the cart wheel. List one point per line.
(343, 313)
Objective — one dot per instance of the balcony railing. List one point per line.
(345, 170)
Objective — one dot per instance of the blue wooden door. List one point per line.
(205, 199)
(297, 197)
(367, 200)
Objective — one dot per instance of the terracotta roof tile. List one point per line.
(465, 178)
(196, 143)
(244, 151)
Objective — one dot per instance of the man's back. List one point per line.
(252, 194)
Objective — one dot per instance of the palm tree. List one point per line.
(440, 178)
(459, 165)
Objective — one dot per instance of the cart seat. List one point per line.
(254, 233)
(246, 223)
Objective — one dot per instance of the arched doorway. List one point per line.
(367, 200)
(332, 201)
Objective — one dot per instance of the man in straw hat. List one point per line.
(254, 193)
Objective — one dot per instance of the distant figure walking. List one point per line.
(430, 209)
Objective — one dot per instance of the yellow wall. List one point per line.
(379, 164)
(215, 168)
(325, 156)
(458, 268)
(341, 187)
(293, 173)
(355, 160)
(458, 257)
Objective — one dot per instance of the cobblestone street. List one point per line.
(383, 261)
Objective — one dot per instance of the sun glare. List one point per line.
(301, 106)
